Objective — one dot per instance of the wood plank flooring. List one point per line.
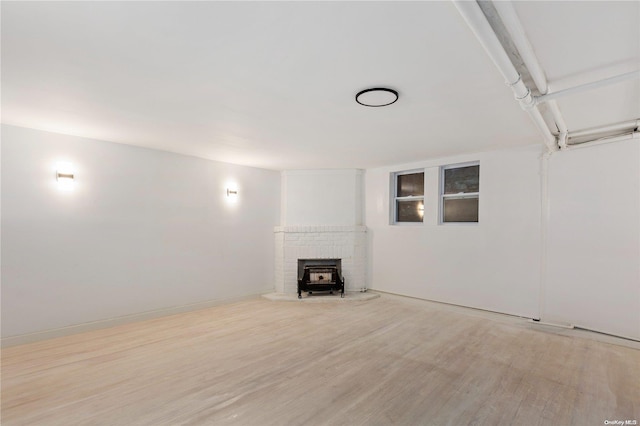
(388, 361)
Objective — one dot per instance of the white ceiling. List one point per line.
(272, 84)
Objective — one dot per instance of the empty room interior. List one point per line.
(320, 213)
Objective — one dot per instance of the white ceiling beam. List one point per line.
(514, 27)
(518, 36)
(477, 21)
(587, 86)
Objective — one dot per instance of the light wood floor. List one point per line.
(388, 361)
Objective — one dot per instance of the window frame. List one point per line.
(394, 197)
(458, 196)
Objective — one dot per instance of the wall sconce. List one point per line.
(64, 175)
(232, 193)
(231, 186)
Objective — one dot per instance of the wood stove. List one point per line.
(320, 275)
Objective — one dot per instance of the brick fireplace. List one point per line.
(292, 243)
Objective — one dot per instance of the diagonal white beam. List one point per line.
(477, 21)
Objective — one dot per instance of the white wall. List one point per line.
(593, 261)
(492, 265)
(142, 230)
(145, 230)
(322, 197)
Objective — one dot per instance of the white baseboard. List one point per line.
(111, 322)
(552, 324)
(552, 327)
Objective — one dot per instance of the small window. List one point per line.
(460, 193)
(408, 197)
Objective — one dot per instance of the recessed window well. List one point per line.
(407, 197)
(460, 193)
(377, 97)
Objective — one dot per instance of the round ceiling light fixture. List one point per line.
(377, 97)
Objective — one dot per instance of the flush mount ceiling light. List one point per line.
(377, 97)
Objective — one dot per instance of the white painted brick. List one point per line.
(348, 243)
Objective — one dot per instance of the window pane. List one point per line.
(460, 210)
(409, 211)
(462, 179)
(411, 184)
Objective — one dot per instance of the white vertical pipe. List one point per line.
(544, 230)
